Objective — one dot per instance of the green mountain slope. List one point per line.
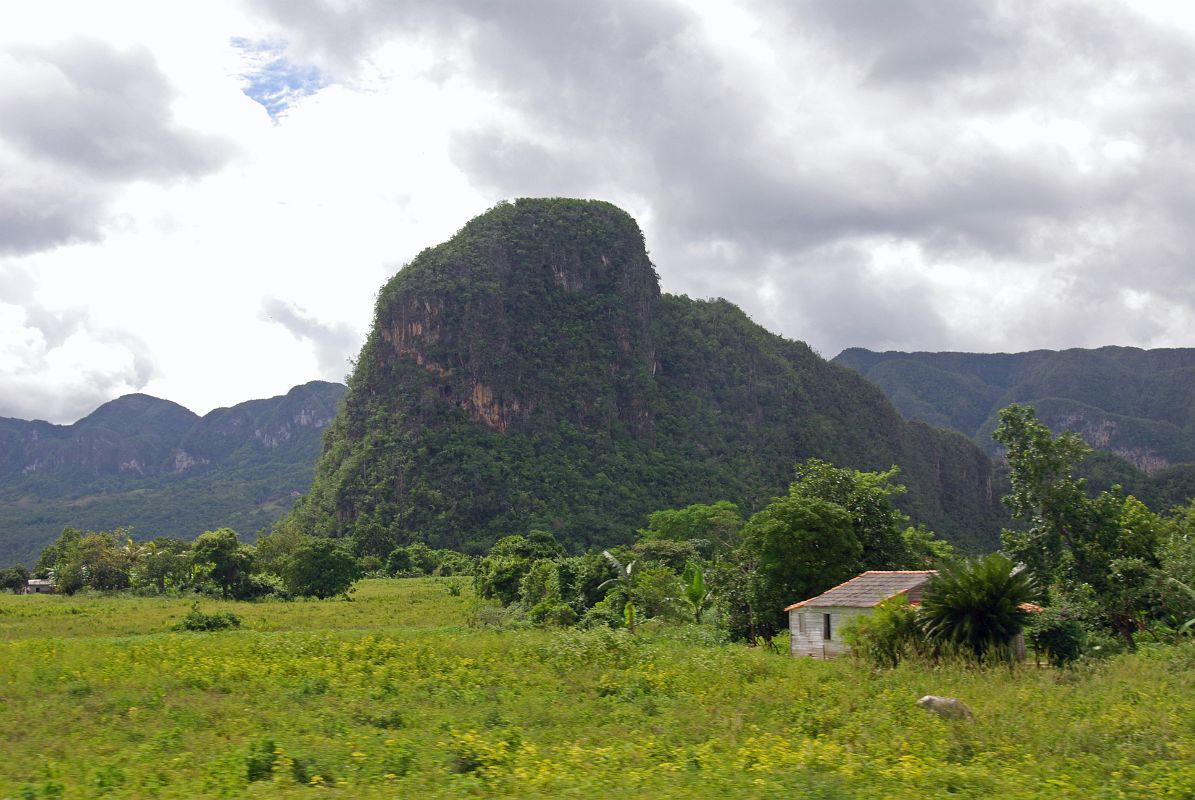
(158, 467)
(1139, 404)
(528, 373)
(1136, 406)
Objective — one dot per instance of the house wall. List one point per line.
(810, 642)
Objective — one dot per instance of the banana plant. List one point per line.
(1189, 624)
(695, 594)
(625, 577)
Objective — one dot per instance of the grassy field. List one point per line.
(394, 694)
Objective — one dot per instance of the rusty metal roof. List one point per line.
(870, 589)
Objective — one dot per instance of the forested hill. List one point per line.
(158, 467)
(529, 374)
(1138, 405)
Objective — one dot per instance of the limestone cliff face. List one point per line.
(528, 373)
(492, 322)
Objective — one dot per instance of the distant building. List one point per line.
(39, 586)
(815, 625)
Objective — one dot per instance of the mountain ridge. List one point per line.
(1136, 407)
(150, 463)
(1136, 403)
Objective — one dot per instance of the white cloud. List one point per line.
(1003, 176)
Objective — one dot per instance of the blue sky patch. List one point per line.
(271, 79)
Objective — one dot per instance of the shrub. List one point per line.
(604, 615)
(257, 586)
(657, 591)
(498, 577)
(196, 620)
(259, 763)
(1059, 633)
(320, 567)
(453, 563)
(370, 565)
(887, 636)
(540, 584)
(552, 612)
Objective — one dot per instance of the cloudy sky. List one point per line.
(200, 201)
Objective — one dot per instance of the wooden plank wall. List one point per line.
(809, 642)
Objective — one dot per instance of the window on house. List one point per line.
(825, 626)
(800, 622)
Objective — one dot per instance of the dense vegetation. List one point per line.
(530, 672)
(1106, 558)
(1136, 405)
(405, 692)
(527, 374)
(150, 464)
(216, 563)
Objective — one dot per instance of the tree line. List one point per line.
(282, 564)
(1104, 568)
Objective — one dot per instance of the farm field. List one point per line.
(396, 694)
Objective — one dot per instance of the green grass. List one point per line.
(394, 695)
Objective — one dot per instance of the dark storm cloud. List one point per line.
(78, 120)
(909, 120)
(334, 345)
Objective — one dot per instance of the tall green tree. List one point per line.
(718, 523)
(14, 579)
(1045, 494)
(796, 547)
(222, 558)
(1105, 547)
(161, 563)
(55, 554)
(1178, 565)
(274, 548)
(92, 559)
(867, 498)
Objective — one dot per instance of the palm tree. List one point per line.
(978, 606)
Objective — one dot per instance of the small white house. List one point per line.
(39, 586)
(815, 625)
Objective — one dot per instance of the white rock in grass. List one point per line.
(946, 707)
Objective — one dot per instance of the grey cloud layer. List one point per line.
(940, 125)
(334, 345)
(27, 393)
(76, 122)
